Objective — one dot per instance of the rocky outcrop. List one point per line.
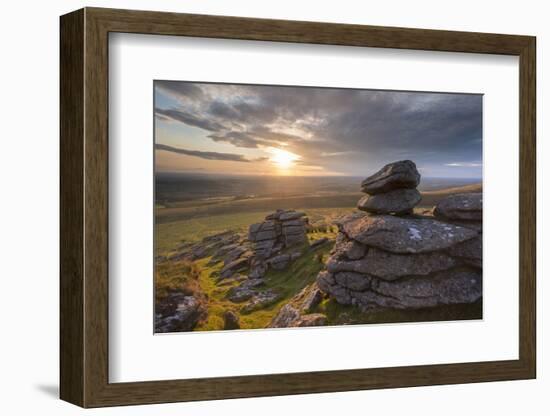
(468, 207)
(250, 291)
(406, 261)
(298, 311)
(280, 230)
(391, 190)
(272, 239)
(397, 175)
(231, 320)
(405, 235)
(216, 245)
(180, 313)
(318, 243)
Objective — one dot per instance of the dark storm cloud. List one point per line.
(208, 155)
(333, 127)
(180, 89)
(189, 119)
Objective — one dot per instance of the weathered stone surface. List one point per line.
(298, 229)
(209, 245)
(239, 265)
(291, 215)
(264, 249)
(312, 319)
(188, 312)
(244, 291)
(445, 288)
(418, 261)
(397, 175)
(295, 239)
(405, 235)
(281, 229)
(310, 297)
(265, 235)
(469, 251)
(348, 249)
(467, 206)
(258, 269)
(318, 243)
(261, 300)
(297, 312)
(263, 231)
(231, 320)
(234, 254)
(473, 225)
(353, 280)
(301, 222)
(275, 215)
(280, 262)
(286, 317)
(391, 266)
(326, 282)
(399, 201)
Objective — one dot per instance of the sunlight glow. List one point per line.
(282, 158)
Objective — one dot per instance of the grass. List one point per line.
(345, 314)
(287, 283)
(181, 276)
(193, 223)
(211, 210)
(169, 235)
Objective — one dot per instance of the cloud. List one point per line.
(180, 90)
(339, 129)
(189, 119)
(208, 155)
(464, 164)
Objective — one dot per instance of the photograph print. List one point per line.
(292, 206)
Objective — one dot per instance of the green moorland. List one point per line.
(194, 221)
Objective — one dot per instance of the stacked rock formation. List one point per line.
(279, 230)
(395, 261)
(392, 190)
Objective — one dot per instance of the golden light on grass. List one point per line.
(282, 158)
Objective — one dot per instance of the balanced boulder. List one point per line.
(399, 201)
(393, 261)
(391, 190)
(397, 175)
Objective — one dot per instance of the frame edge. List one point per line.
(84, 284)
(71, 291)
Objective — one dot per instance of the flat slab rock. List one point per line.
(446, 288)
(391, 266)
(461, 207)
(399, 201)
(405, 235)
(397, 175)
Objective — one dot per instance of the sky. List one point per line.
(309, 131)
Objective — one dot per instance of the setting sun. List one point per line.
(282, 158)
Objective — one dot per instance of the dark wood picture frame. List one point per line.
(84, 207)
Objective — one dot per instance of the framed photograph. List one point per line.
(257, 207)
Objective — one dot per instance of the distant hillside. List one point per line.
(476, 187)
(431, 198)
